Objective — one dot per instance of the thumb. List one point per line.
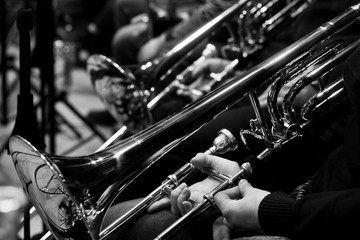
(244, 187)
(223, 198)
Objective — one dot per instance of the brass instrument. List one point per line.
(324, 100)
(72, 203)
(223, 143)
(121, 96)
(334, 94)
(131, 96)
(135, 90)
(306, 70)
(321, 61)
(264, 18)
(286, 129)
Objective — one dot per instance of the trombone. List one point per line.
(328, 99)
(137, 90)
(131, 96)
(72, 203)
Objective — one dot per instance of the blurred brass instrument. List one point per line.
(131, 96)
(72, 203)
(134, 91)
(256, 24)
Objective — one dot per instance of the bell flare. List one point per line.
(40, 181)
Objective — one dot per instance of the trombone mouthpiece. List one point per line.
(223, 143)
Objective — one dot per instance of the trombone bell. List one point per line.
(41, 182)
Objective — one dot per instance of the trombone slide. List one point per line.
(223, 143)
(208, 202)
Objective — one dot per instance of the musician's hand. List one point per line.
(180, 196)
(151, 48)
(141, 18)
(239, 206)
(220, 230)
(178, 201)
(210, 65)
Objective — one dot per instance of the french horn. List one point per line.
(72, 203)
(132, 96)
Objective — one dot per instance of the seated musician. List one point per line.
(174, 103)
(131, 46)
(325, 207)
(131, 43)
(144, 227)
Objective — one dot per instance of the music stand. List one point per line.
(44, 58)
(4, 119)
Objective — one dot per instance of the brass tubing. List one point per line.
(223, 143)
(115, 165)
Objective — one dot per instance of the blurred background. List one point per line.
(73, 132)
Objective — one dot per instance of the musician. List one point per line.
(237, 117)
(131, 46)
(325, 207)
(104, 18)
(165, 217)
(130, 31)
(261, 211)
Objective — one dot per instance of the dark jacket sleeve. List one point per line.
(326, 215)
